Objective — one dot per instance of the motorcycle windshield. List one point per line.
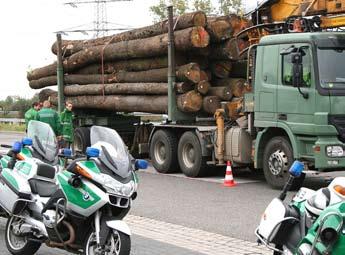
(113, 151)
(43, 139)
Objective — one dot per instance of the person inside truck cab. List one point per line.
(287, 68)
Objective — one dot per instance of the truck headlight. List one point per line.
(335, 151)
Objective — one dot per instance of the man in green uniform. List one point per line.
(66, 119)
(49, 116)
(31, 114)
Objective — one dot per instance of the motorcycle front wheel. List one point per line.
(17, 244)
(117, 243)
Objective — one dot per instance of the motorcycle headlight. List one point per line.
(118, 188)
(335, 151)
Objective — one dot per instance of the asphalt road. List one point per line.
(204, 203)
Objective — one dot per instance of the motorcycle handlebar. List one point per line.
(6, 146)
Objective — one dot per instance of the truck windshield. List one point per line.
(332, 67)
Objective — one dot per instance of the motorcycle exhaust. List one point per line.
(69, 242)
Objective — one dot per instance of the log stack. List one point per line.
(127, 72)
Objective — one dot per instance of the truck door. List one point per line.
(266, 79)
(292, 107)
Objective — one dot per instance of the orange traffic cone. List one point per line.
(229, 179)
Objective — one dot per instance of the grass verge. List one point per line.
(12, 127)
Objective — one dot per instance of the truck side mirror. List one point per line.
(297, 69)
(297, 72)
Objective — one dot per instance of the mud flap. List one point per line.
(119, 225)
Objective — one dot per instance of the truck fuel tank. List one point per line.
(238, 145)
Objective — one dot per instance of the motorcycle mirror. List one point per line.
(141, 164)
(296, 168)
(92, 152)
(27, 141)
(16, 147)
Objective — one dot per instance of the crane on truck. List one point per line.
(294, 107)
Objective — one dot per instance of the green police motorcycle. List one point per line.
(312, 224)
(79, 209)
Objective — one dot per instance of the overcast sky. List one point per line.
(28, 27)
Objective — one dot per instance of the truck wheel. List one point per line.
(190, 158)
(278, 157)
(81, 139)
(163, 151)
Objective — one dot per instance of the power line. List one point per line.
(100, 24)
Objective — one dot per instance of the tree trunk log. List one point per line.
(183, 87)
(237, 85)
(229, 49)
(195, 37)
(45, 94)
(189, 102)
(183, 21)
(132, 65)
(219, 30)
(239, 69)
(117, 89)
(203, 87)
(41, 72)
(120, 103)
(189, 72)
(186, 39)
(235, 108)
(210, 104)
(223, 93)
(205, 75)
(79, 79)
(221, 69)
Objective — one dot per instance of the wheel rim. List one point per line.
(160, 152)
(188, 155)
(15, 242)
(278, 163)
(112, 245)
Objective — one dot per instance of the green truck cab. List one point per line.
(299, 105)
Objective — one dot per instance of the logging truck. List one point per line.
(290, 105)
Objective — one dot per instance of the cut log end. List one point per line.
(189, 102)
(199, 19)
(210, 104)
(199, 37)
(203, 87)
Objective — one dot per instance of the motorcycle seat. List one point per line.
(42, 187)
(45, 170)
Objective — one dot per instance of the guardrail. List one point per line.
(12, 120)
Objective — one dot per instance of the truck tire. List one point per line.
(189, 155)
(163, 151)
(81, 139)
(278, 157)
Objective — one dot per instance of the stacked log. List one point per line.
(127, 72)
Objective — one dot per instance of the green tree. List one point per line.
(159, 11)
(16, 103)
(227, 7)
(202, 5)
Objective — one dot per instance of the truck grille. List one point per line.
(338, 121)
